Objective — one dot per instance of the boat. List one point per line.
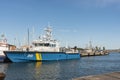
(44, 48)
(3, 47)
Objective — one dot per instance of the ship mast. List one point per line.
(28, 39)
(48, 35)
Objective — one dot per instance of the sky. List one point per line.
(74, 22)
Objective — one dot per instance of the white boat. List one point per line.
(3, 47)
(44, 49)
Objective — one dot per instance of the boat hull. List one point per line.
(24, 56)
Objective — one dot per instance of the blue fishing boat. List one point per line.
(43, 49)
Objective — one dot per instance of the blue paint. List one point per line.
(23, 56)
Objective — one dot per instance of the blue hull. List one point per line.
(23, 56)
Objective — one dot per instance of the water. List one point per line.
(62, 70)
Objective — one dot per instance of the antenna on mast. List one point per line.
(28, 40)
(48, 24)
(33, 32)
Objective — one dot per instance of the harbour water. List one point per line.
(62, 70)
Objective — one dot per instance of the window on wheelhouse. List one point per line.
(44, 45)
(47, 44)
(38, 44)
(53, 45)
(41, 44)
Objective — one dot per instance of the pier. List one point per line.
(93, 53)
(108, 76)
(2, 76)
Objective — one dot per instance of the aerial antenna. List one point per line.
(48, 24)
(90, 44)
(33, 32)
(28, 38)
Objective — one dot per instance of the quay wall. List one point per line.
(107, 76)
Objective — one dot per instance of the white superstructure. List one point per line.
(46, 43)
(3, 45)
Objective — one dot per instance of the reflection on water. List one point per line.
(37, 65)
(3, 67)
(62, 70)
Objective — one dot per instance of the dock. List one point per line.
(93, 53)
(107, 76)
(2, 76)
